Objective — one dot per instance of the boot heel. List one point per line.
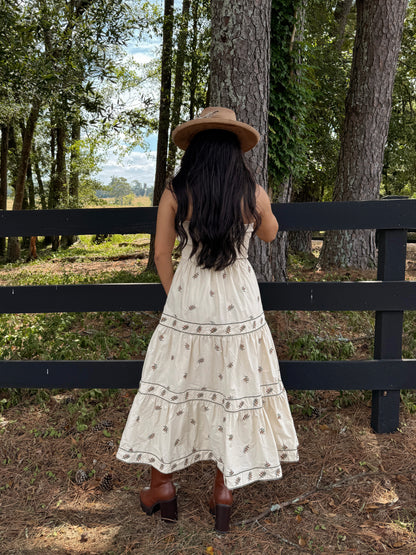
(169, 510)
(222, 518)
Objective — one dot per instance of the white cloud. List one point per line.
(136, 165)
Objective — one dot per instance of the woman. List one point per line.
(211, 387)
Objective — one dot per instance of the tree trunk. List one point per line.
(364, 134)
(240, 67)
(178, 90)
(30, 187)
(41, 189)
(69, 240)
(3, 177)
(57, 185)
(301, 240)
(13, 250)
(341, 14)
(194, 71)
(164, 119)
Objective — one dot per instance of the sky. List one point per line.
(138, 164)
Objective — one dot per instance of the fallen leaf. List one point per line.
(302, 542)
(298, 518)
(323, 427)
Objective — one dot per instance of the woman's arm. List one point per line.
(269, 226)
(165, 238)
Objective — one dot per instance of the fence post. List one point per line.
(388, 327)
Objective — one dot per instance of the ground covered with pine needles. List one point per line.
(63, 491)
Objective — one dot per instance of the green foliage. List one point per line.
(312, 347)
(71, 336)
(409, 335)
(399, 175)
(288, 95)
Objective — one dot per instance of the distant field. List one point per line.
(138, 201)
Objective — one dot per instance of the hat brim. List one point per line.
(184, 133)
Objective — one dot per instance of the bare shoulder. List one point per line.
(168, 200)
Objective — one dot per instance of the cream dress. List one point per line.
(211, 386)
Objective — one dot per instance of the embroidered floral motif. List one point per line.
(191, 307)
(230, 307)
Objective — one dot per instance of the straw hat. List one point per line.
(216, 117)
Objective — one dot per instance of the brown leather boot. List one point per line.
(161, 494)
(220, 503)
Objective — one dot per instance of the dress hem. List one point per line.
(232, 480)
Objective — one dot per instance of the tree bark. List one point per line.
(164, 119)
(341, 14)
(367, 117)
(194, 46)
(57, 185)
(3, 177)
(73, 193)
(41, 189)
(240, 69)
(178, 90)
(13, 250)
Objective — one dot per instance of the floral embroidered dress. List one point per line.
(211, 386)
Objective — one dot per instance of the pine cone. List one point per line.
(106, 483)
(80, 476)
(101, 425)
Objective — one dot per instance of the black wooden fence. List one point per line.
(389, 296)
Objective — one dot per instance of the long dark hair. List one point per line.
(216, 179)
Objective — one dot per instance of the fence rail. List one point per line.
(389, 296)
